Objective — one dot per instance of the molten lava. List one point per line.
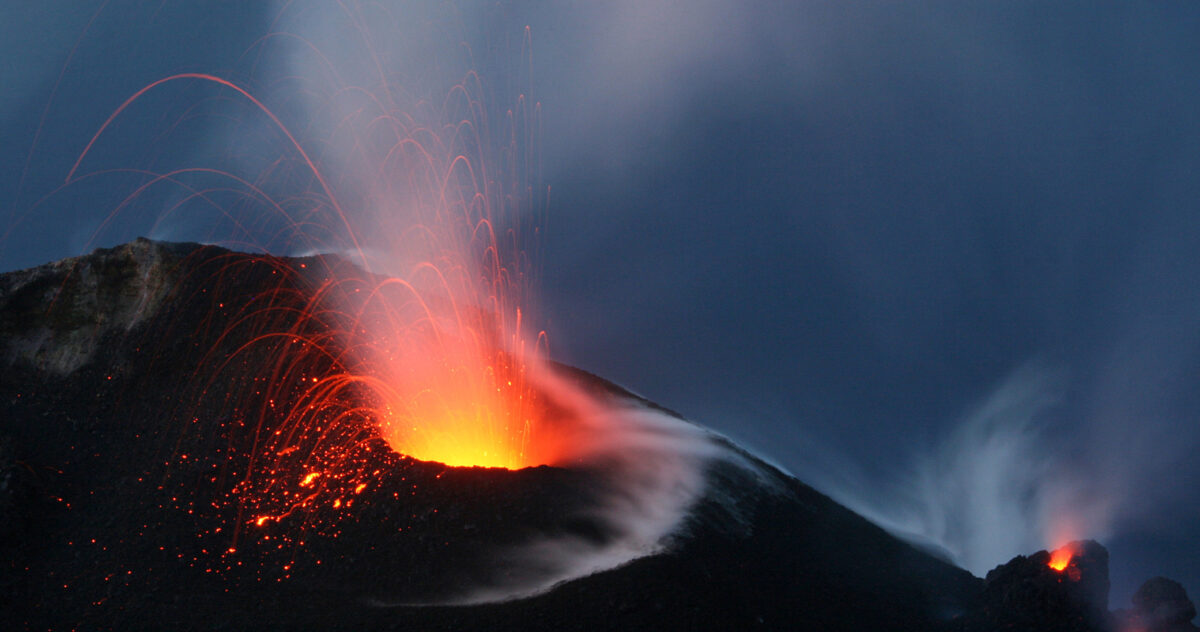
(1060, 558)
(460, 432)
(416, 332)
(445, 381)
(460, 411)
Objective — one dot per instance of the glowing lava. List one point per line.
(451, 393)
(460, 424)
(414, 331)
(1061, 557)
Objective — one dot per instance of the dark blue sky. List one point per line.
(937, 258)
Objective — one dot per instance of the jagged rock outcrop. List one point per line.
(1160, 605)
(1026, 593)
(55, 316)
(131, 407)
(125, 377)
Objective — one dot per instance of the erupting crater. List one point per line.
(1060, 558)
(439, 378)
(465, 414)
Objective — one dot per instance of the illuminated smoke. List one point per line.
(435, 185)
(1000, 484)
(649, 468)
(364, 130)
(1006, 480)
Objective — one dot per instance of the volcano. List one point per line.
(135, 492)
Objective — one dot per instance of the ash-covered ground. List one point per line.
(126, 377)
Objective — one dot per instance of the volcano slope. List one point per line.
(125, 450)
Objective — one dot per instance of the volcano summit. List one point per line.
(153, 474)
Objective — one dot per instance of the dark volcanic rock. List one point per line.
(1027, 594)
(127, 381)
(17, 492)
(1160, 605)
(55, 316)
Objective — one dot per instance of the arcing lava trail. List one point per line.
(139, 484)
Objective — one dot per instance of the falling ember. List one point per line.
(397, 333)
(412, 336)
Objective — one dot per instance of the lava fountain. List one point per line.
(423, 340)
(430, 327)
(435, 330)
(400, 330)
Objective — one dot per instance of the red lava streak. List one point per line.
(414, 335)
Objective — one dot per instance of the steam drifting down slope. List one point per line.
(133, 383)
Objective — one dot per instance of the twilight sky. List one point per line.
(936, 258)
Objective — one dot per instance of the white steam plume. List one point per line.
(1005, 481)
(379, 89)
(649, 467)
(999, 485)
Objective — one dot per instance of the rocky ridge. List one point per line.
(112, 454)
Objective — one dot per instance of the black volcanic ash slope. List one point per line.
(107, 381)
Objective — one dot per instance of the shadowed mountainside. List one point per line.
(125, 380)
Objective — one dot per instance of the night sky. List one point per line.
(937, 259)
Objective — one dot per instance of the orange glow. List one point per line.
(415, 336)
(433, 329)
(458, 416)
(444, 380)
(1061, 557)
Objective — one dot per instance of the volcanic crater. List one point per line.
(135, 493)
